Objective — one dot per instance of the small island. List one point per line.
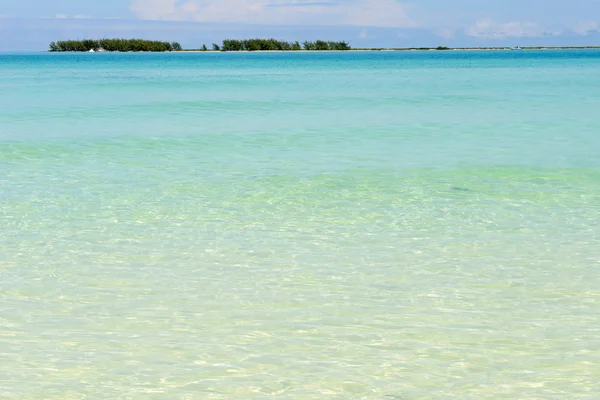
(136, 45)
(123, 45)
(232, 45)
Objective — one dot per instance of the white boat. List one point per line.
(92, 51)
(516, 48)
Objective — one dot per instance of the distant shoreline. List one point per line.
(375, 49)
(397, 49)
(259, 45)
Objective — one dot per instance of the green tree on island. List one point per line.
(278, 45)
(127, 45)
(123, 45)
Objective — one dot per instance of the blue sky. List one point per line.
(31, 24)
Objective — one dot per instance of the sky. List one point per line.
(32, 24)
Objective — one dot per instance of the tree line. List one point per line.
(114, 45)
(125, 45)
(278, 45)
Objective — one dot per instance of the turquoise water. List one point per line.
(300, 226)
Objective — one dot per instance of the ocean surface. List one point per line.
(365, 225)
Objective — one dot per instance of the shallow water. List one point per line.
(314, 225)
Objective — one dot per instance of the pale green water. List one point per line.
(300, 226)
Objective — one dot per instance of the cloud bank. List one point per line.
(65, 16)
(586, 28)
(378, 13)
(490, 29)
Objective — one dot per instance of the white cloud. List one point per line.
(489, 29)
(585, 28)
(379, 13)
(363, 34)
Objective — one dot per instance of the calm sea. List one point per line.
(386, 225)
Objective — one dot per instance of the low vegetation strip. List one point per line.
(277, 45)
(126, 45)
(114, 45)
